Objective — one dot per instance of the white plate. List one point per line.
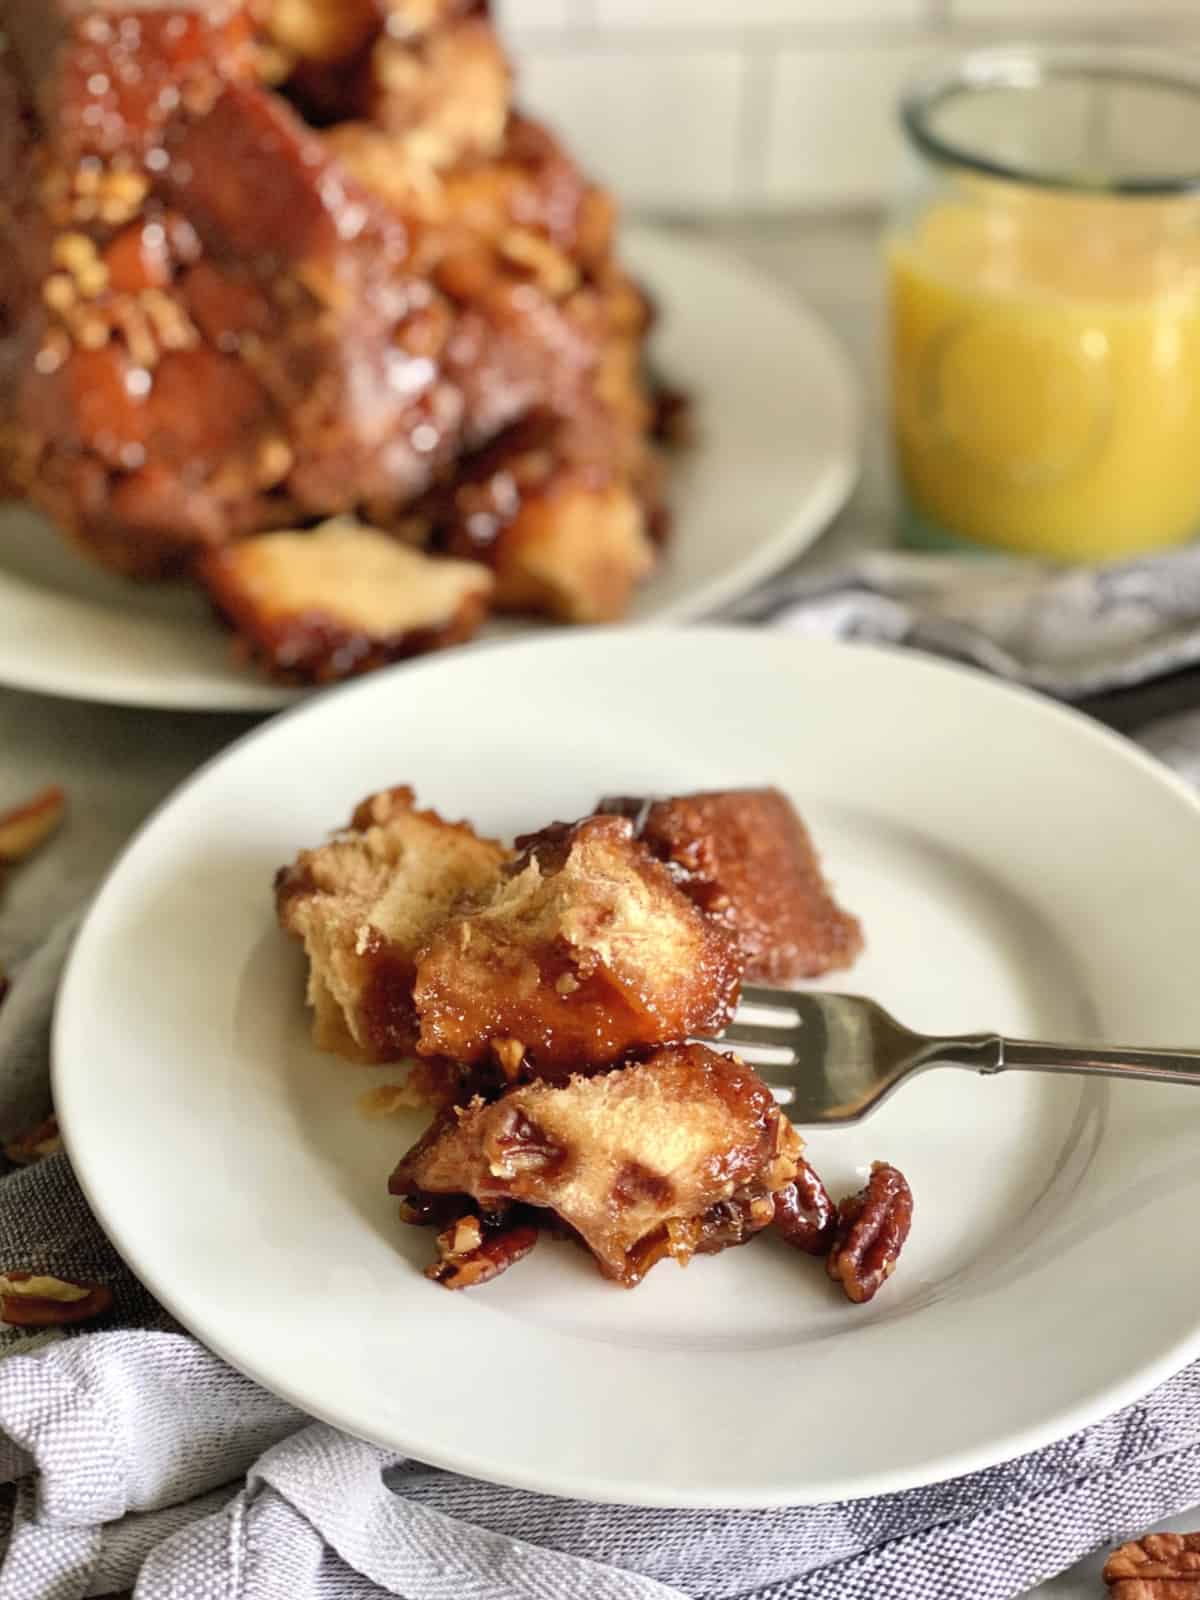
(1015, 866)
(778, 420)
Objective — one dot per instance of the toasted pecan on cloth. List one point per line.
(1159, 1566)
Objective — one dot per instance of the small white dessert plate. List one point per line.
(1015, 866)
(777, 417)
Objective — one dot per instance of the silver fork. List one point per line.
(834, 1057)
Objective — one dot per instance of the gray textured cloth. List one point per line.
(1069, 632)
(132, 1455)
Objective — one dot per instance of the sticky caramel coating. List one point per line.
(103, 74)
(547, 508)
(209, 357)
(264, 262)
(745, 856)
(585, 950)
(341, 600)
(364, 905)
(678, 1155)
(459, 214)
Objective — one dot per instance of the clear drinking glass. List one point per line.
(1043, 266)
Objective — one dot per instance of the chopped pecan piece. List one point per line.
(28, 826)
(728, 1223)
(872, 1226)
(509, 1054)
(1161, 1566)
(470, 1253)
(32, 1300)
(34, 1143)
(804, 1212)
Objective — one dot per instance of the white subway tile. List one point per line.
(832, 134)
(661, 129)
(685, 14)
(517, 14)
(1081, 12)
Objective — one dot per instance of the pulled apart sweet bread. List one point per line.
(552, 998)
(541, 507)
(365, 904)
(342, 599)
(745, 857)
(264, 262)
(584, 950)
(676, 1155)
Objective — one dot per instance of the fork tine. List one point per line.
(765, 1059)
(779, 1036)
(771, 999)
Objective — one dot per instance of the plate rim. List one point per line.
(1112, 1398)
(810, 518)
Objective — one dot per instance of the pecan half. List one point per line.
(32, 1300)
(522, 1145)
(872, 1226)
(34, 1143)
(27, 826)
(470, 1253)
(1161, 1566)
(804, 1213)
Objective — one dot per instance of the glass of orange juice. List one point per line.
(1044, 293)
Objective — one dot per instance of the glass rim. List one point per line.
(1024, 67)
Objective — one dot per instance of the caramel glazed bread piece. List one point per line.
(364, 906)
(745, 857)
(580, 951)
(342, 599)
(584, 950)
(677, 1155)
(421, 935)
(268, 263)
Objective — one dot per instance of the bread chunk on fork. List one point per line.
(584, 951)
(745, 857)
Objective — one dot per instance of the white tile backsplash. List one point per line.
(518, 14)
(831, 129)
(1078, 13)
(663, 130)
(688, 15)
(708, 105)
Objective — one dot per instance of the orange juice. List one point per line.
(1046, 370)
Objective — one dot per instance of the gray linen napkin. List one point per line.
(132, 1455)
(1068, 632)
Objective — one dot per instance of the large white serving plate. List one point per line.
(776, 455)
(1016, 867)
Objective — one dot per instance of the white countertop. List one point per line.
(117, 764)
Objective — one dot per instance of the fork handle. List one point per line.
(988, 1053)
